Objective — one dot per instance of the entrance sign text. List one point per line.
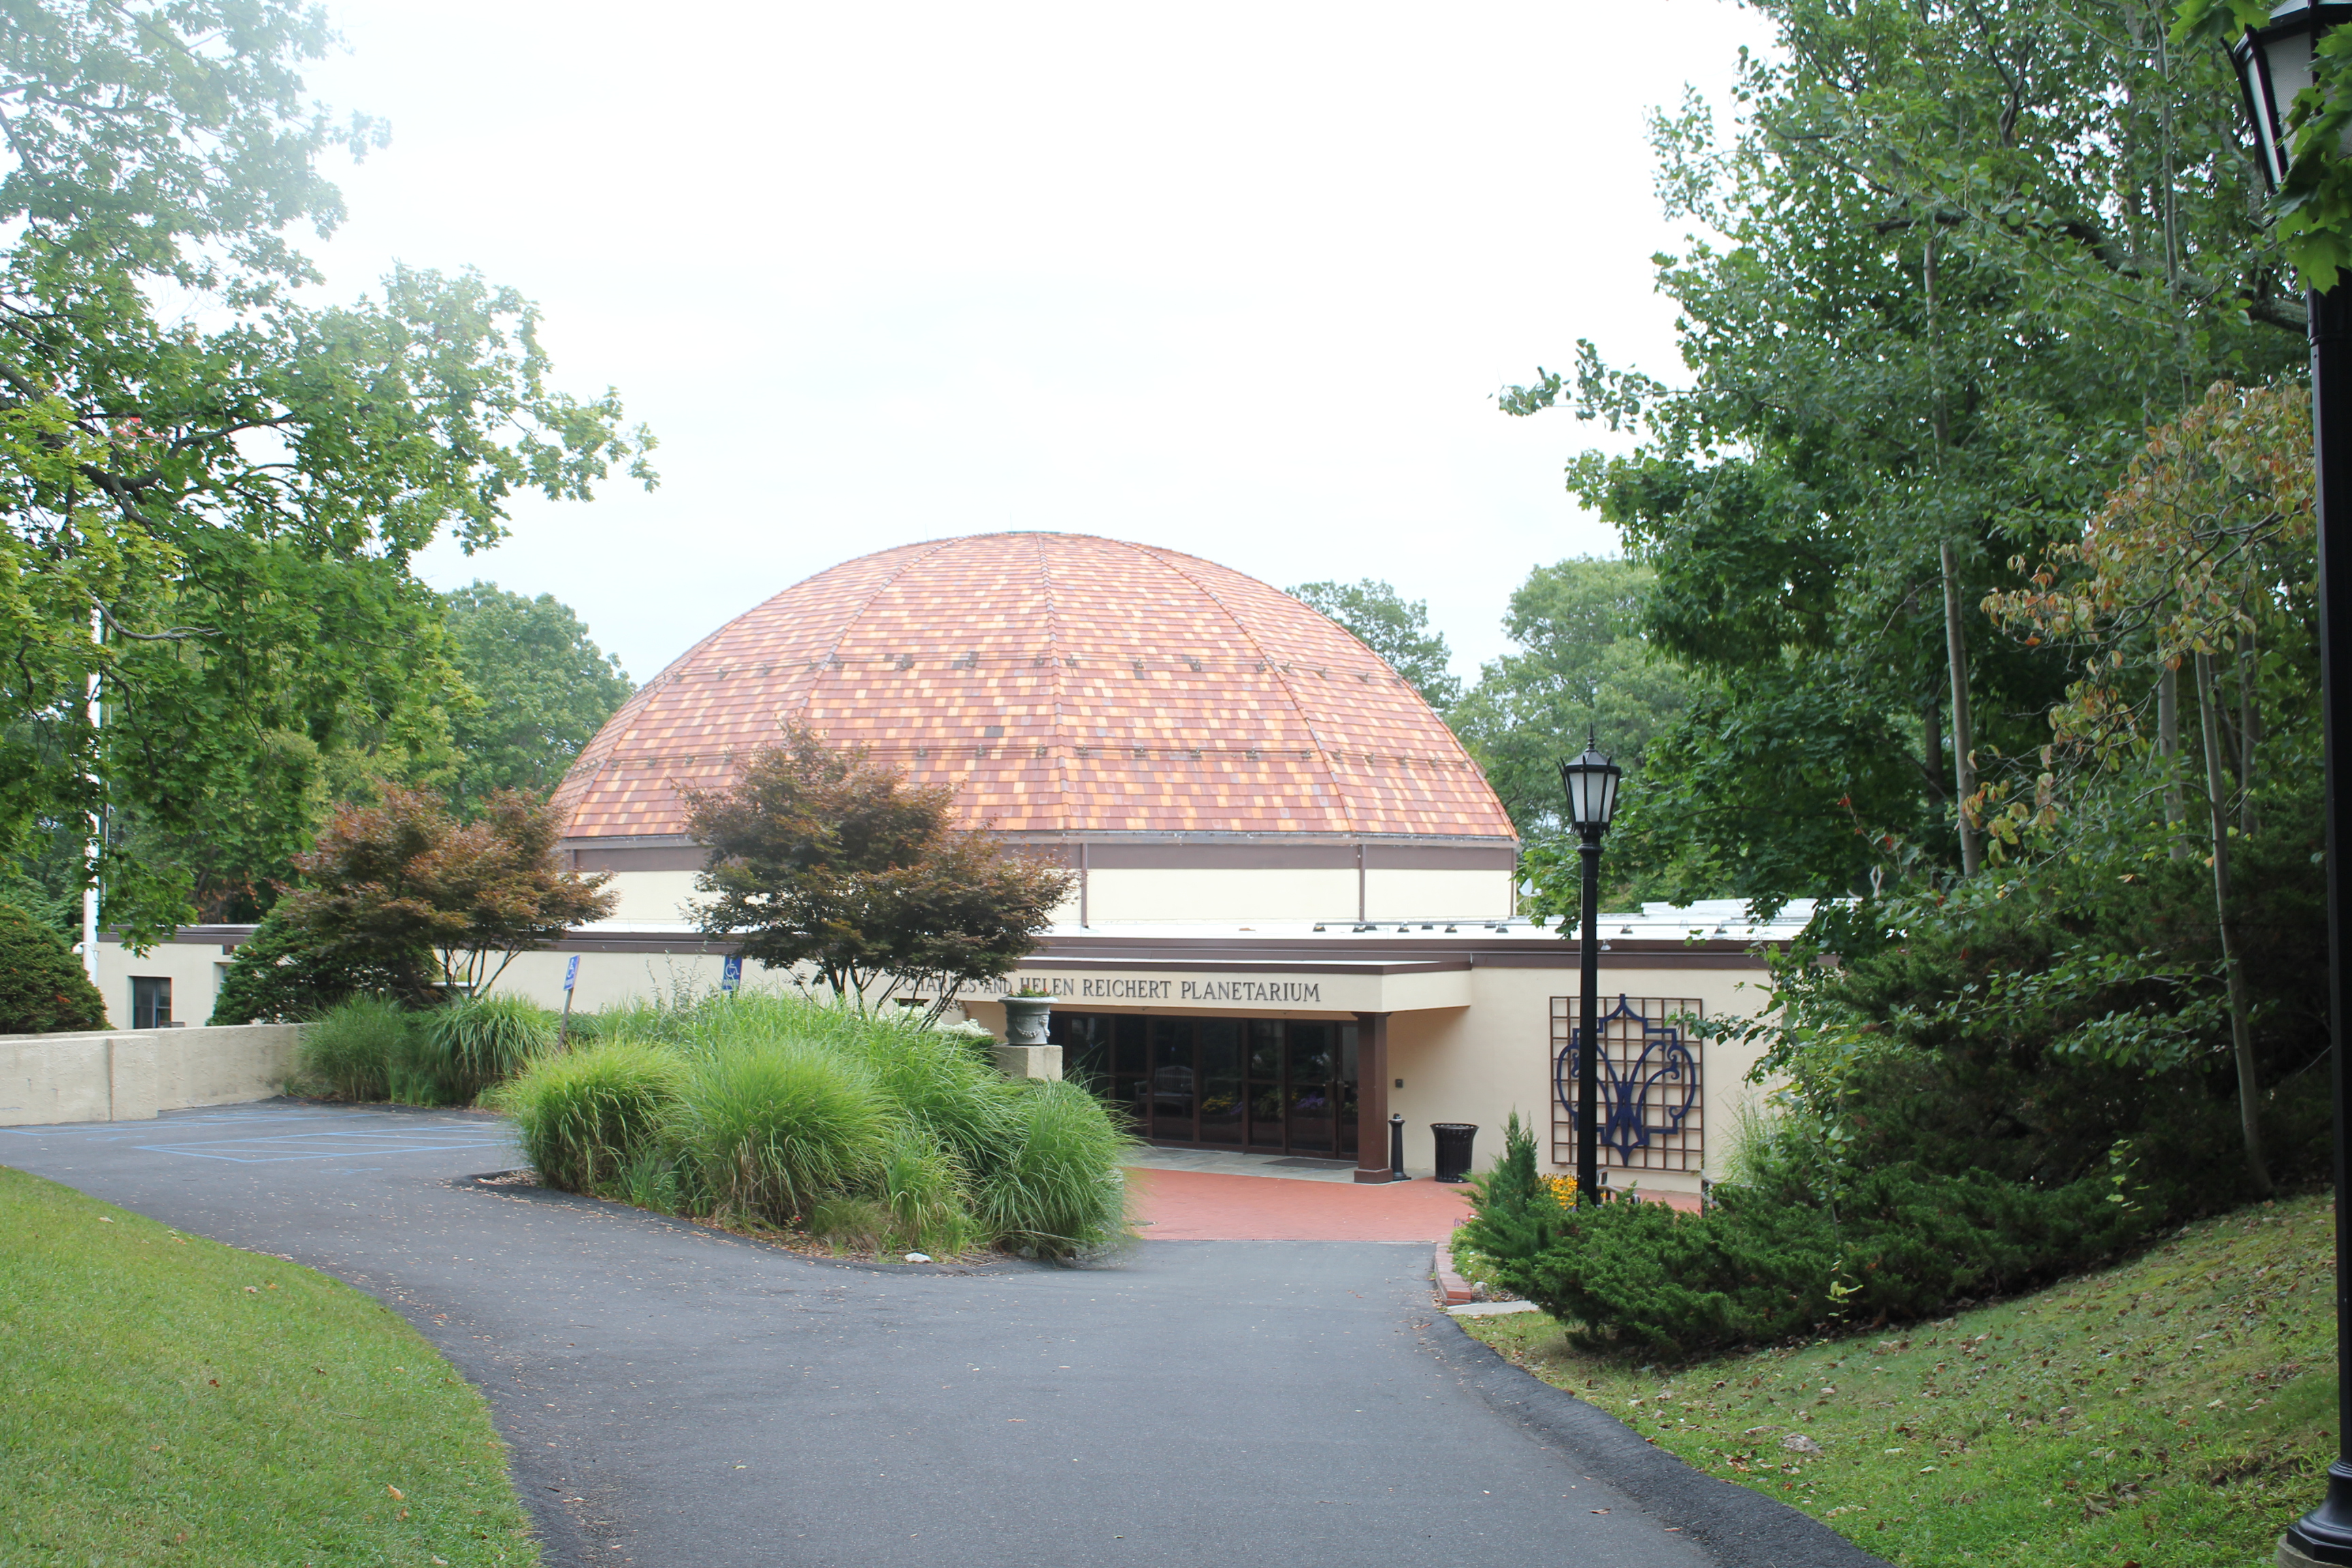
(1124, 989)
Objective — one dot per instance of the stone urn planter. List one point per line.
(1027, 1019)
(1026, 1053)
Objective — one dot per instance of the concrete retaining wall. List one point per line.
(129, 1075)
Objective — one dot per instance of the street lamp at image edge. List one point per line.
(1590, 784)
(2274, 64)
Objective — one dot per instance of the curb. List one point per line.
(1740, 1528)
(1453, 1291)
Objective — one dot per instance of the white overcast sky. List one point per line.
(1238, 279)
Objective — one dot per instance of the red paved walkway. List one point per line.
(1200, 1205)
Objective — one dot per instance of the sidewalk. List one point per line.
(1200, 1205)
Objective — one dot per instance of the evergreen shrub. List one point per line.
(1762, 1265)
(43, 990)
(1515, 1212)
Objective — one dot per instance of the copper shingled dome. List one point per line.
(1068, 685)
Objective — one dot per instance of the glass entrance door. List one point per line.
(1272, 1086)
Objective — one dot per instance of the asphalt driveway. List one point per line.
(674, 1396)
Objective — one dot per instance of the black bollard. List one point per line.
(1396, 1149)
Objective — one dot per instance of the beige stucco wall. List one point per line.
(606, 978)
(652, 898)
(1118, 895)
(1417, 895)
(129, 1076)
(1477, 1064)
(1202, 893)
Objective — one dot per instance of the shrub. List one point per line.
(474, 1042)
(43, 990)
(1762, 1265)
(1516, 1212)
(597, 1115)
(282, 974)
(357, 1049)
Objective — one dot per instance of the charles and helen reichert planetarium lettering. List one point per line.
(1126, 988)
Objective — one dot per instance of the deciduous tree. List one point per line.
(826, 862)
(406, 887)
(1959, 257)
(543, 688)
(210, 490)
(2204, 554)
(1394, 627)
(1583, 666)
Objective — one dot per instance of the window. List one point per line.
(151, 1000)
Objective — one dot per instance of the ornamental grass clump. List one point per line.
(356, 1049)
(774, 1127)
(923, 1194)
(596, 1115)
(1056, 1187)
(867, 1132)
(473, 1042)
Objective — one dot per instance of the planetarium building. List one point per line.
(1294, 903)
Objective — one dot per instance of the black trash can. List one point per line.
(1453, 1149)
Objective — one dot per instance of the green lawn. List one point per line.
(165, 1399)
(2176, 1412)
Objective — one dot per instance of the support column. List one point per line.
(1372, 1096)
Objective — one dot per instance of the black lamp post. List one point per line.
(2274, 64)
(1590, 784)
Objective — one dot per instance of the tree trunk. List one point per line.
(2167, 746)
(2241, 1043)
(2250, 732)
(1955, 649)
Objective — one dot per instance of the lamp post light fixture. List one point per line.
(1590, 784)
(2274, 64)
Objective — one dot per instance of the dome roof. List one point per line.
(1068, 685)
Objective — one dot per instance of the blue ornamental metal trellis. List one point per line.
(1644, 1095)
